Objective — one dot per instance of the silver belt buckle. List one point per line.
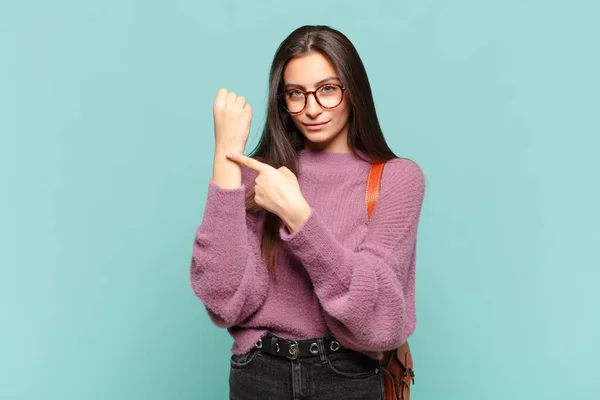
(294, 350)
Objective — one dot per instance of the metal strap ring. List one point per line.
(334, 346)
(314, 348)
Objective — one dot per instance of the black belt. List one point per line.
(294, 349)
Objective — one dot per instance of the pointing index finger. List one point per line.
(248, 162)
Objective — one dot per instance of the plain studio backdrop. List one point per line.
(106, 152)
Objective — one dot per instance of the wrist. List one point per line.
(226, 173)
(297, 217)
(224, 149)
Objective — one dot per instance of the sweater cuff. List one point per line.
(225, 203)
(317, 249)
(300, 233)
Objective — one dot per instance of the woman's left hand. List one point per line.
(277, 191)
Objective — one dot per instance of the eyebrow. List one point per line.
(295, 85)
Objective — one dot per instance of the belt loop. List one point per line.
(321, 344)
(273, 345)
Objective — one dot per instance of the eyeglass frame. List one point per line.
(313, 92)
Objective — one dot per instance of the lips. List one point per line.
(316, 126)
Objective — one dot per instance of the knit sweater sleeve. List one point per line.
(225, 271)
(367, 293)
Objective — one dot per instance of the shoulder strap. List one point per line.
(402, 353)
(373, 185)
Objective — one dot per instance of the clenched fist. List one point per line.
(232, 121)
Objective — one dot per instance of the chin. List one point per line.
(317, 137)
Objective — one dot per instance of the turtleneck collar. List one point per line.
(326, 161)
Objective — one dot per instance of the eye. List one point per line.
(328, 88)
(295, 93)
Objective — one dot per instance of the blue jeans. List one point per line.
(340, 376)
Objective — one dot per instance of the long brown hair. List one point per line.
(281, 140)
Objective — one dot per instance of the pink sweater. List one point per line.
(338, 274)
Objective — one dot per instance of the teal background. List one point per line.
(106, 151)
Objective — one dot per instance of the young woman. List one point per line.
(285, 257)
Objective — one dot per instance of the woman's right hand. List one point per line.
(232, 118)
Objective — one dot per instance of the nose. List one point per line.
(313, 109)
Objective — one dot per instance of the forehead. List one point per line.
(308, 69)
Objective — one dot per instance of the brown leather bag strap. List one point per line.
(403, 354)
(373, 185)
(399, 387)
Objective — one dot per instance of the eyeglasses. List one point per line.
(328, 96)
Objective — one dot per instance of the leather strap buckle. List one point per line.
(293, 350)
